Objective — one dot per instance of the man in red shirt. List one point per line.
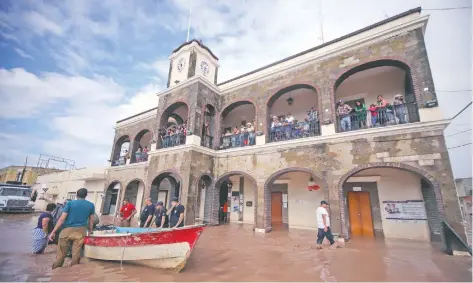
(126, 212)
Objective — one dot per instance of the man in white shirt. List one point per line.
(323, 225)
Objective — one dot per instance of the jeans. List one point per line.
(251, 137)
(321, 234)
(374, 120)
(400, 113)
(345, 123)
(76, 236)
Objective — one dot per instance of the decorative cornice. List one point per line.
(197, 78)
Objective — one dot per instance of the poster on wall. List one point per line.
(404, 209)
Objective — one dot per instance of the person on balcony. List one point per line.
(236, 137)
(138, 154)
(360, 110)
(275, 128)
(399, 110)
(289, 125)
(144, 155)
(251, 134)
(243, 135)
(343, 112)
(374, 115)
(313, 118)
(382, 106)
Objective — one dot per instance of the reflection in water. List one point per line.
(235, 253)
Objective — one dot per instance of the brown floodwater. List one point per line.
(235, 253)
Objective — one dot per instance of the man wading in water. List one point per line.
(75, 216)
(323, 225)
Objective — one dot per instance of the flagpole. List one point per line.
(189, 24)
(321, 22)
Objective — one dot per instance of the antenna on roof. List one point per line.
(189, 24)
(321, 37)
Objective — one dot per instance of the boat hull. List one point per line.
(166, 249)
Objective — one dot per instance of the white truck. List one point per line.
(15, 198)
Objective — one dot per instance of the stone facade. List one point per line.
(332, 159)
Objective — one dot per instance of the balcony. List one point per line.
(375, 117)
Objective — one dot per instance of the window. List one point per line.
(71, 196)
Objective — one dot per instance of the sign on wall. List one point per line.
(404, 209)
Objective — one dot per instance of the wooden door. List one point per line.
(359, 209)
(276, 208)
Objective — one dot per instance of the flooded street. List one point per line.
(235, 253)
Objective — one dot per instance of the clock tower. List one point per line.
(191, 59)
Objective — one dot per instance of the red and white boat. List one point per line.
(157, 248)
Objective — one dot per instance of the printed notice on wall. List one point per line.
(404, 209)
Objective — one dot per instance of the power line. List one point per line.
(459, 145)
(446, 9)
(469, 104)
(458, 133)
(458, 90)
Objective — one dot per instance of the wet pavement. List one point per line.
(235, 253)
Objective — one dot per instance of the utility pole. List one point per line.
(24, 170)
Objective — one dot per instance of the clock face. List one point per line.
(181, 64)
(205, 68)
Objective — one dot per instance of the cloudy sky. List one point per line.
(70, 69)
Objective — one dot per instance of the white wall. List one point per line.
(182, 111)
(198, 71)
(175, 74)
(304, 99)
(399, 185)
(386, 81)
(248, 195)
(302, 203)
(241, 113)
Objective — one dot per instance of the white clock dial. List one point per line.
(205, 68)
(181, 64)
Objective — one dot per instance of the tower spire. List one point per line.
(189, 24)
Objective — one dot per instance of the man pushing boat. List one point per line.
(176, 214)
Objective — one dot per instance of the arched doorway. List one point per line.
(203, 186)
(293, 113)
(134, 192)
(238, 125)
(390, 201)
(164, 187)
(208, 128)
(111, 199)
(238, 191)
(292, 197)
(120, 151)
(141, 146)
(379, 86)
(173, 125)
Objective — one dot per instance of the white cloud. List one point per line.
(40, 25)
(23, 53)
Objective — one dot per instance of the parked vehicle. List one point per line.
(15, 197)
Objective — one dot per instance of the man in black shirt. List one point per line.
(147, 214)
(176, 214)
(161, 220)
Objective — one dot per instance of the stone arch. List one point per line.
(117, 147)
(200, 206)
(174, 179)
(137, 143)
(138, 196)
(111, 200)
(435, 186)
(167, 113)
(393, 61)
(212, 208)
(227, 109)
(271, 179)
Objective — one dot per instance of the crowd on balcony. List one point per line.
(174, 135)
(286, 127)
(381, 113)
(244, 135)
(141, 154)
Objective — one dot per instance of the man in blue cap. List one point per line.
(161, 220)
(176, 214)
(323, 225)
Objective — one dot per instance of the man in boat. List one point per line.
(126, 212)
(75, 216)
(161, 220)
(147, 213)
(176, 214)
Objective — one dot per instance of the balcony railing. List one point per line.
(390, 115)
(294, 131)
(173, 140)
(141, 157)
(120, 161)
(237, 140)
(207, 141)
